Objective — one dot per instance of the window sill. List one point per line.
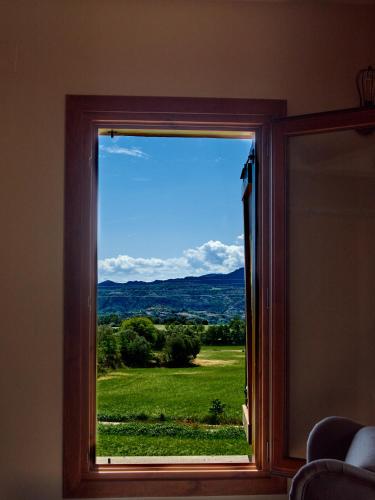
(176, 480)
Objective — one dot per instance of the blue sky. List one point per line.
(169, 207)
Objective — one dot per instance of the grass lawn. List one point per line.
(163, 410)
(146, 446)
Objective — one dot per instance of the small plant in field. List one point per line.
(162, 417)
(216, 411)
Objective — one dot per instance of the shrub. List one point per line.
(216, 411)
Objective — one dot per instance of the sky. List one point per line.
(169, 207)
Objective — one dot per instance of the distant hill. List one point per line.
(216, 298)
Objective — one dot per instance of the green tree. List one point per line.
(111, 319)
(108, 349)
(237, 331)
(213, 335)
(144, 327)
(135, 349)
(182, 344)
(231, 334)
(160, 340)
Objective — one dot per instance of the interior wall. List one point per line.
(305, 52)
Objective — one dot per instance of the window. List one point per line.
(272, 212)
(85, 116)
(321, 287)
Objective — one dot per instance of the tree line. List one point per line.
(136, 342)
(115, 319)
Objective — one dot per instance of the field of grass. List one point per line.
(164, 411)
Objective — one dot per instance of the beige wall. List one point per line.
(307, 53)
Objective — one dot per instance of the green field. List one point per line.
(164, 411)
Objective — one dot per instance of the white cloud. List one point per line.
(211, 257)
(119, 150)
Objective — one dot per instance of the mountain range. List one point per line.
(216, 298)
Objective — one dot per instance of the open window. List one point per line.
(322, 276)
(309, 215)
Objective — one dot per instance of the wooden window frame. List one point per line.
(362, 120)
(82, 478)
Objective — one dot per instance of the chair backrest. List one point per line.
(331, 438)
(361, 452)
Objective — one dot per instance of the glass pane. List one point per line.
(331, 280)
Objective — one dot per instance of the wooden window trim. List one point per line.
(81, 476)
(359, 119)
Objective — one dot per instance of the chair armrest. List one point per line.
(332, 480)
(331, 438)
